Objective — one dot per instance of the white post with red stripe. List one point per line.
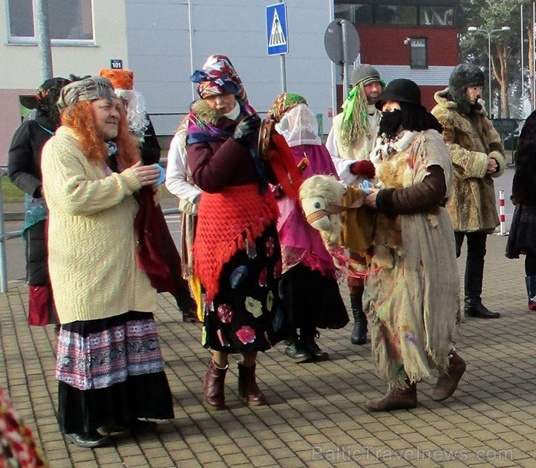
(502, 215)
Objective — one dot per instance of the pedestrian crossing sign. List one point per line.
(276, 29)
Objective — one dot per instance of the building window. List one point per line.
(69, 21)
(442, 16)
(418, 52)
(357, 14)
(396, 14)
(381, 12)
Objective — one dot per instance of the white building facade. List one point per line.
(162, 42)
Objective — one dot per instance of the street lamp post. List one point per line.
(489, 32)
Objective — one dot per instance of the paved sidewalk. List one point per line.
(317, 416)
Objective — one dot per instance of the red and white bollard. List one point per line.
(502, 215)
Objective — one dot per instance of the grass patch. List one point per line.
(10, 193)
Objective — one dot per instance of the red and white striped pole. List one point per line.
(502, 215)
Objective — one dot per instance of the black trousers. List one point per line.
(476, 244)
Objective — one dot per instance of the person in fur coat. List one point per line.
(478, 158)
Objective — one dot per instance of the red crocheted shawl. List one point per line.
(226, 220)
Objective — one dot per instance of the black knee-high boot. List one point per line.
(474, 273)
(530, 281)
(359, 332)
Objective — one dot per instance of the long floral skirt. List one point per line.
(110, 372)
(248, 314)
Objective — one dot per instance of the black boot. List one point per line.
(308, 340)
(359, 332)
(295, 350)
(474, 273)
(530, 281)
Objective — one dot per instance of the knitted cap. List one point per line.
(365, 74)
(121, 79)
(401, 90)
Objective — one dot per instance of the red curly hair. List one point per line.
(81, 119)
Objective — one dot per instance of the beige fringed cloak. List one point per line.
(413, 285)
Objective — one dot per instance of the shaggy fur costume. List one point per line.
(472, 140)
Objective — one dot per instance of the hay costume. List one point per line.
(522, 235)
(472, 141)
(24, 170)
(109, 362)
(236, 248)
(354, 130)
(411, 292)
(309, 284)
(349, 142)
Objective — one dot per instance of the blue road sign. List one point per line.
(277, 29)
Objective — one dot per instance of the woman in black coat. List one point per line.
(24, 170)
(522, 237)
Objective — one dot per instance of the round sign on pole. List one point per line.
(341, 42)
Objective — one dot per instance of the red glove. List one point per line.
(365, 168)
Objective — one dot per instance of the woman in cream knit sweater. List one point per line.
(109, 363)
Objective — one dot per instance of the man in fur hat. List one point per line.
(349, 143)
(478, 157)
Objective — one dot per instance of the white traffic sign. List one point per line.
(277, 29)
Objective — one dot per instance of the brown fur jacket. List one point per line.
(472, 140)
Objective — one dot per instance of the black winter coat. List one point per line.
(24, 170)
(24, 157)
(524, 183)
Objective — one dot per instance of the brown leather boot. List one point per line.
(405, 398)
(446, 383)
(247, 386)
(214, 387)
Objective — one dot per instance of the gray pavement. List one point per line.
(317, 415)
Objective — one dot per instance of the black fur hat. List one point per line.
(462, 77)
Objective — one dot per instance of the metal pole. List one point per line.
(283, 73)
(283, 66)
(191, 38)
(522, 53)
(3, 260)
(43, 38)
(346, 81)
(489, 72)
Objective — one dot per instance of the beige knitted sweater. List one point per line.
(91, 240)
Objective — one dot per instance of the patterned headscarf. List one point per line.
(283, 103)
(219, 76)
(88, 89)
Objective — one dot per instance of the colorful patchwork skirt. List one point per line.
(110, 372)
(248, 313)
